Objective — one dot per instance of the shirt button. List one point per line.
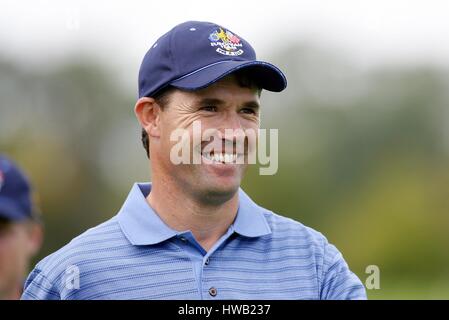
(213, 292)
(206, 262)
(183, 239)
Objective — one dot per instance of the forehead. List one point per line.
(228, 89)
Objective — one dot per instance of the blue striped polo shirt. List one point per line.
(135, 255)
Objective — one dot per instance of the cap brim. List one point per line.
(265, 75)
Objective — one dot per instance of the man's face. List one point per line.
(225, 111)
(18, 243)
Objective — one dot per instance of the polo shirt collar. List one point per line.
(250, 220)
(143, 226)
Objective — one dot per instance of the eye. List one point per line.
(209, 108)
(248, 111)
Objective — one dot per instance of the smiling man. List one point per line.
(193, 233)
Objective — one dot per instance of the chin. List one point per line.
(209, 184)
(216, 193)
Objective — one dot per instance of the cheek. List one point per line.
(251, 123)
(10, 248)
(174, 125)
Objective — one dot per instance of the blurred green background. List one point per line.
(363, 156)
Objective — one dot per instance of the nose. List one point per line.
(231, 127)
(231, 121)
(232, 134)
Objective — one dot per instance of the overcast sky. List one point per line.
(42, 33)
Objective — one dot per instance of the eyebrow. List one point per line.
(218, 102)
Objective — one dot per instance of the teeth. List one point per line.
(226, 158)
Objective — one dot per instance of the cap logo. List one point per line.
(228, 43)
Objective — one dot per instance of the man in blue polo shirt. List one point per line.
(193, 233)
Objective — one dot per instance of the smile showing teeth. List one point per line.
(221, 157)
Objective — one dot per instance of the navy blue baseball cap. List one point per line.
(15, 192)
(195, 54)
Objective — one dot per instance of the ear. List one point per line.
(36, 236)
(148, 113)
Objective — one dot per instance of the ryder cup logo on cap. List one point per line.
(229, 43)
(194, 54)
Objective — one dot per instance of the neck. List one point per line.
(181, 212)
